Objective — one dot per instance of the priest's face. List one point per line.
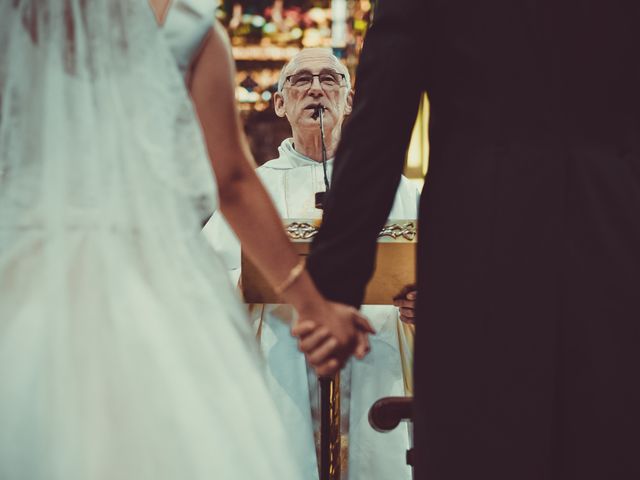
(314, 77)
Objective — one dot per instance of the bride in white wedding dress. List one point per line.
(124, 352)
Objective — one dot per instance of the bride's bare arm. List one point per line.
(243, 200)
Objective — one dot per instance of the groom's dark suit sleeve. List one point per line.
(371, 154)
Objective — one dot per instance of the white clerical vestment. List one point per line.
(292, 180)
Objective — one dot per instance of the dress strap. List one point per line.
(186, 26)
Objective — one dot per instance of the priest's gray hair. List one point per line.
(283, 72)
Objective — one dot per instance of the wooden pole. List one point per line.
(330, 428)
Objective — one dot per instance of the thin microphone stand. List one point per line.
(320, 196)
(330, 444)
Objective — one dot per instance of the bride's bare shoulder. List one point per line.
(216, 55)
(219, 38)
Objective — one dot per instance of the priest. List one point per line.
(315, 82)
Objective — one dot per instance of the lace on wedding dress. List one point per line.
(93, 123)
(100, 149)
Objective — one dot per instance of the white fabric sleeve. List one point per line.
(225, 242)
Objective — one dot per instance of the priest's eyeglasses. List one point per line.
(329, 80)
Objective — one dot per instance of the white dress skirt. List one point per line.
(125, 353)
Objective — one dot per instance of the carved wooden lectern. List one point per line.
(395, 262)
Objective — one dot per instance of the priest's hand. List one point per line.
(329, 340)
(406, 303)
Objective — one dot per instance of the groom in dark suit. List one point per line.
(528, 330)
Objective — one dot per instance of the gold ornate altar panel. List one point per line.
(395, 262)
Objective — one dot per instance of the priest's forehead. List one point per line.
(313, 59)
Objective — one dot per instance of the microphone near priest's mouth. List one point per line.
(317, 108)
(318, 111)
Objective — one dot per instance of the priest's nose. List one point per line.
(315, 90)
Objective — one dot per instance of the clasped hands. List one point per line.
(330, 336)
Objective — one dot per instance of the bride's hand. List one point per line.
(330, 335)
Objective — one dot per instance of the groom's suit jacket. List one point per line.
(528, 328)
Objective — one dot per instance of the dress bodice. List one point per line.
(185, 28)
